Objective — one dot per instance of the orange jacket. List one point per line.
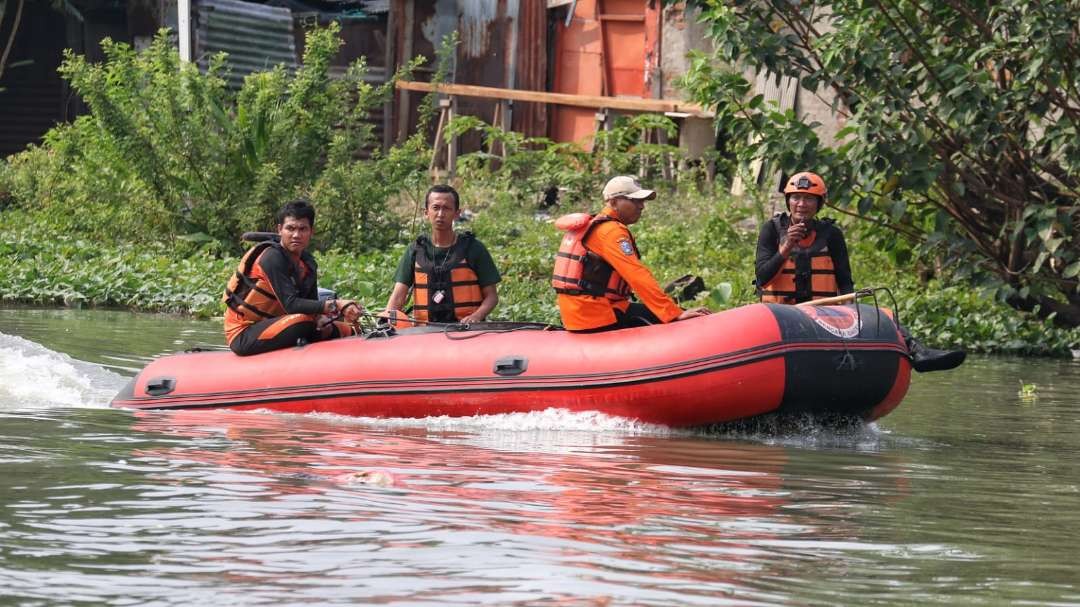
(611, 240)
(250, 295)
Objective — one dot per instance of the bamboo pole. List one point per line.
(827, 301)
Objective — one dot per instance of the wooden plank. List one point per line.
(589, 101)
(452, 145)
(612, 17)
(437, 146)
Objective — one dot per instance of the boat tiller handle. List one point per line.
(160, 386)
(511, 365)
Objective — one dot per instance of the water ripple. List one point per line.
(964, 495)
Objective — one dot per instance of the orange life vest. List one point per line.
(396, 319)
(448, 291)
(253, 299)
(807, 274)
(579, 271)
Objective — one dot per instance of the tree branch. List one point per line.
(917, 52)
(903, 231)
(964, 9)
(804, 36)
(11, 39)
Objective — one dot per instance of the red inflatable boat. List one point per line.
(733, 365)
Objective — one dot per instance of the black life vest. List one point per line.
(447, 292)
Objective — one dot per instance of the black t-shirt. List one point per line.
(297, 295)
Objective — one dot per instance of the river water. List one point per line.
(968, 493)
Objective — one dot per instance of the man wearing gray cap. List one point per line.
(598, 266)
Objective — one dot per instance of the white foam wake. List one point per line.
(33, 376)
(543, 420)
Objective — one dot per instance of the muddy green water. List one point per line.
(967, 494)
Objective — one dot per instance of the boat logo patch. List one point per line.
(626, 247)
(839, 321)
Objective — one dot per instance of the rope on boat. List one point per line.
(373, 326)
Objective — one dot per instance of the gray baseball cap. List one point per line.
(626, 186)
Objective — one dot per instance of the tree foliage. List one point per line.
(960, 125)
(168, 152)
(528, 166)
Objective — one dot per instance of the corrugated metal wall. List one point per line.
(532, 67)
(32, 99)
(486, 29)
(503, 45)
(256, 37)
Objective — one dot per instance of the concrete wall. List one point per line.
(681, 33)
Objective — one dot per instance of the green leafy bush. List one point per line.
(45, 267)
(524, 167)
(139, 204)
(169, 153)
(707, 235)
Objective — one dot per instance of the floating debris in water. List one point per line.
(1028, 392)
(379, 478)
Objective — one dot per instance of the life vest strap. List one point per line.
(571, 256)
(786, 270)
(462, 304)
(236, 299)
(453, 283)
(247, 306)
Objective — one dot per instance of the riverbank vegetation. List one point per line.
(143, 209)
(962, 126)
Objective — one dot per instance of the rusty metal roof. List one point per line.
(256, 37)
